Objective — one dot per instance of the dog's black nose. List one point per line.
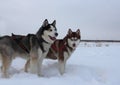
(56, 34)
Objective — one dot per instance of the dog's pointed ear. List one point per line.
(45, 23)
(78, 31)
(54, 23)
(13, 34)
(69, 31)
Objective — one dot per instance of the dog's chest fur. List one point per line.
(42, 51)
(67, 53)
(46, 47)
(60, 50)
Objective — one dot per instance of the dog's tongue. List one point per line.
(52, 38)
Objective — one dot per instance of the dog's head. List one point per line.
(73, 38)
(48, 31)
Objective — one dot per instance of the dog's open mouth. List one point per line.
(52, 38)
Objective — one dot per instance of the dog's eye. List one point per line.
(72, 39)
(50, 29)
(75, 38)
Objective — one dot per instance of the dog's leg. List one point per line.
(33, 61)
(61, 66)
(27, 65)
(36, 59)
(62, 62)
(40, 61)
(65, 60)
(6, 62)
(33, 64)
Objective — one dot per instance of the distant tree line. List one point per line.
(100, 41)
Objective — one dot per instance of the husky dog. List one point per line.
(62, 49)
(33, 47)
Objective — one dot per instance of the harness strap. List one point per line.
(53, 46)
(20, 44)
(23, 47)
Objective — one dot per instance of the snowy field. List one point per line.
(90, 64)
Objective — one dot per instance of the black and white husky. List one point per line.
(33, 47)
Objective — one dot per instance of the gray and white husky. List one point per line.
(33, 47)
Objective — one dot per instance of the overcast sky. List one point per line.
(97, 19)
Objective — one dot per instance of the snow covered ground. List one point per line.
(88, 65)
